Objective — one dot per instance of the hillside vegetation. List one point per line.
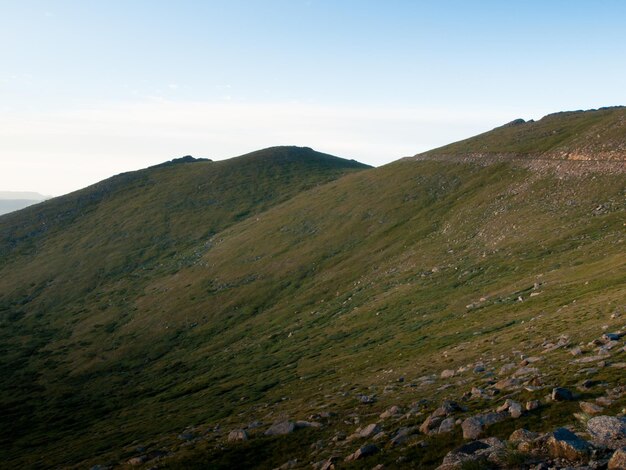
(164, 308)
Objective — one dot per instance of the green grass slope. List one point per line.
(336, 291)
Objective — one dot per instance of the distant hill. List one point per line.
(149, 315)
(14, 200)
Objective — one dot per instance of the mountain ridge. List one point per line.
(597, 136)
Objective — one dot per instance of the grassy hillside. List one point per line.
(292, 305)
(73, 268)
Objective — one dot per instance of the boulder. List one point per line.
(508, 384)
(362, 452)
(618, 460)
(576, 351)
(506, 368)
(561, 394)
(447, 425)
(307, 424)
(474, 426)
(608, 431)
(328, 464)
(137, 460)
(367, 399)
(369, 430)
(447, 408)
(514, 408)
(237, 435)
(525, 371)
(430, 424)
(281, 428)
(485, 453)
(393, 411)
(402, 435)
(532, 405)
(590, 408)
(564, 444)
(522, 435)
(447, 373)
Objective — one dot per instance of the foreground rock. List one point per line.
(618, 460)
(564, 444)
(608, 431)
(478, 454)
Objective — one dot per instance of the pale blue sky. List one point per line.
(92, 88)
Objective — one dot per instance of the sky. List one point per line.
(89, 89)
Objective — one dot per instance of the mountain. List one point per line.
(15, 200)
(153, 313)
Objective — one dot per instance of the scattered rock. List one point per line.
(478, 369)
(474, 426)
(563, 443)
(608, 431)
(367, 399)
(447, 373)
(137, 460)
(447, 425)
(369, 430)
(514, 408)
(532, 405)
(604, 401)
(362, 452)
(237, 435)
(618, 460)
(478, 454)
(522, 435)
(307, 424)
(393, 411)
(281, 428)
(561, 394)
(447, 408)
(508, 384)
(328, 464)
(590, 408)
(402, 435)
(576, 351)
(430, 425)
(525, 371)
